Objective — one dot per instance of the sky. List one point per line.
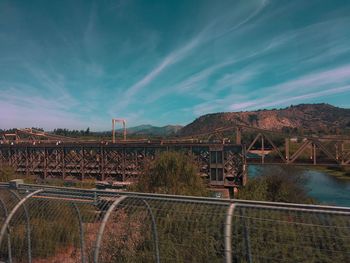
(77, 64)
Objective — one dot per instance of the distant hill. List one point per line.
(303, 118)
(147, 129)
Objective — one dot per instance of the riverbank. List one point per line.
(342, 173)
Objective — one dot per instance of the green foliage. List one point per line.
(7, 174)
(286, 236)
(310, 118)
(289, 236)
(279, 185)
(71, 133)
(253, 118)
(172, 173)
(129, 238)
(54, 228)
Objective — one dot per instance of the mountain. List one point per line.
(147, 129)
(306, 118)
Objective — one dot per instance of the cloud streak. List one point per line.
(315, 85)
(102, 61)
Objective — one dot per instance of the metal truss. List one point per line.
(120, 162)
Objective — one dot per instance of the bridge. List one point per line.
(56, 224)
(224, 164)
(222, 155)
(264, 146)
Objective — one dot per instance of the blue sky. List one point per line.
(77, 64)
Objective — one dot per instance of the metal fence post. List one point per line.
(12, 213)
(155, 231)
(228, 233)
(28, 226)
(103, 225)
(8, 232)
(81, 227)
(247, 243)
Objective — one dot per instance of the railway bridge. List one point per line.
(222, 164)
(222, 155)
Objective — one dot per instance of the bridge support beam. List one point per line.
(27, 162)
(238, 135)
(314, 151)
(337, 151)
(262, 149)
(287, 149)
(63, 163)
(45, 163)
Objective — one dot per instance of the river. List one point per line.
(324, 187)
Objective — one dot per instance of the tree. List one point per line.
(172, 173)
(253, 118)
(177, 173)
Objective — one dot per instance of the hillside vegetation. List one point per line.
(168, 130)
(301, 119)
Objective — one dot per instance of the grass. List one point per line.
(7, 174)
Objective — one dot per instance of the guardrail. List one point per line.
(51, 224)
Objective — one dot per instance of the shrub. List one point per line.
(7, 174)
(172, 173)
(279, 185)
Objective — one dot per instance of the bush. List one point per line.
(172, 173)
(7, 174)
(279, 185)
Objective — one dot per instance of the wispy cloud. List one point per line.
(316, 80)
(207, 34)
(261, 4)
(315, 85)
(273, 102)
(105, 60)
(165, 63)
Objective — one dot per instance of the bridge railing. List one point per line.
(53, 224)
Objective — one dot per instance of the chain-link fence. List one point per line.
(50, 224)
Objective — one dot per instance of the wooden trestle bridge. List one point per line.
(221, 160)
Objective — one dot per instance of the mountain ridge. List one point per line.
(148, 129)
(310, 118)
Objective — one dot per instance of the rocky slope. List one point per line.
(309, 118)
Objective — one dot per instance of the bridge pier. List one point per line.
(45, 163)
(287, 149)
(262, 149)
(314, 153)
(238, 135)
(27, 162)
(63, 163)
